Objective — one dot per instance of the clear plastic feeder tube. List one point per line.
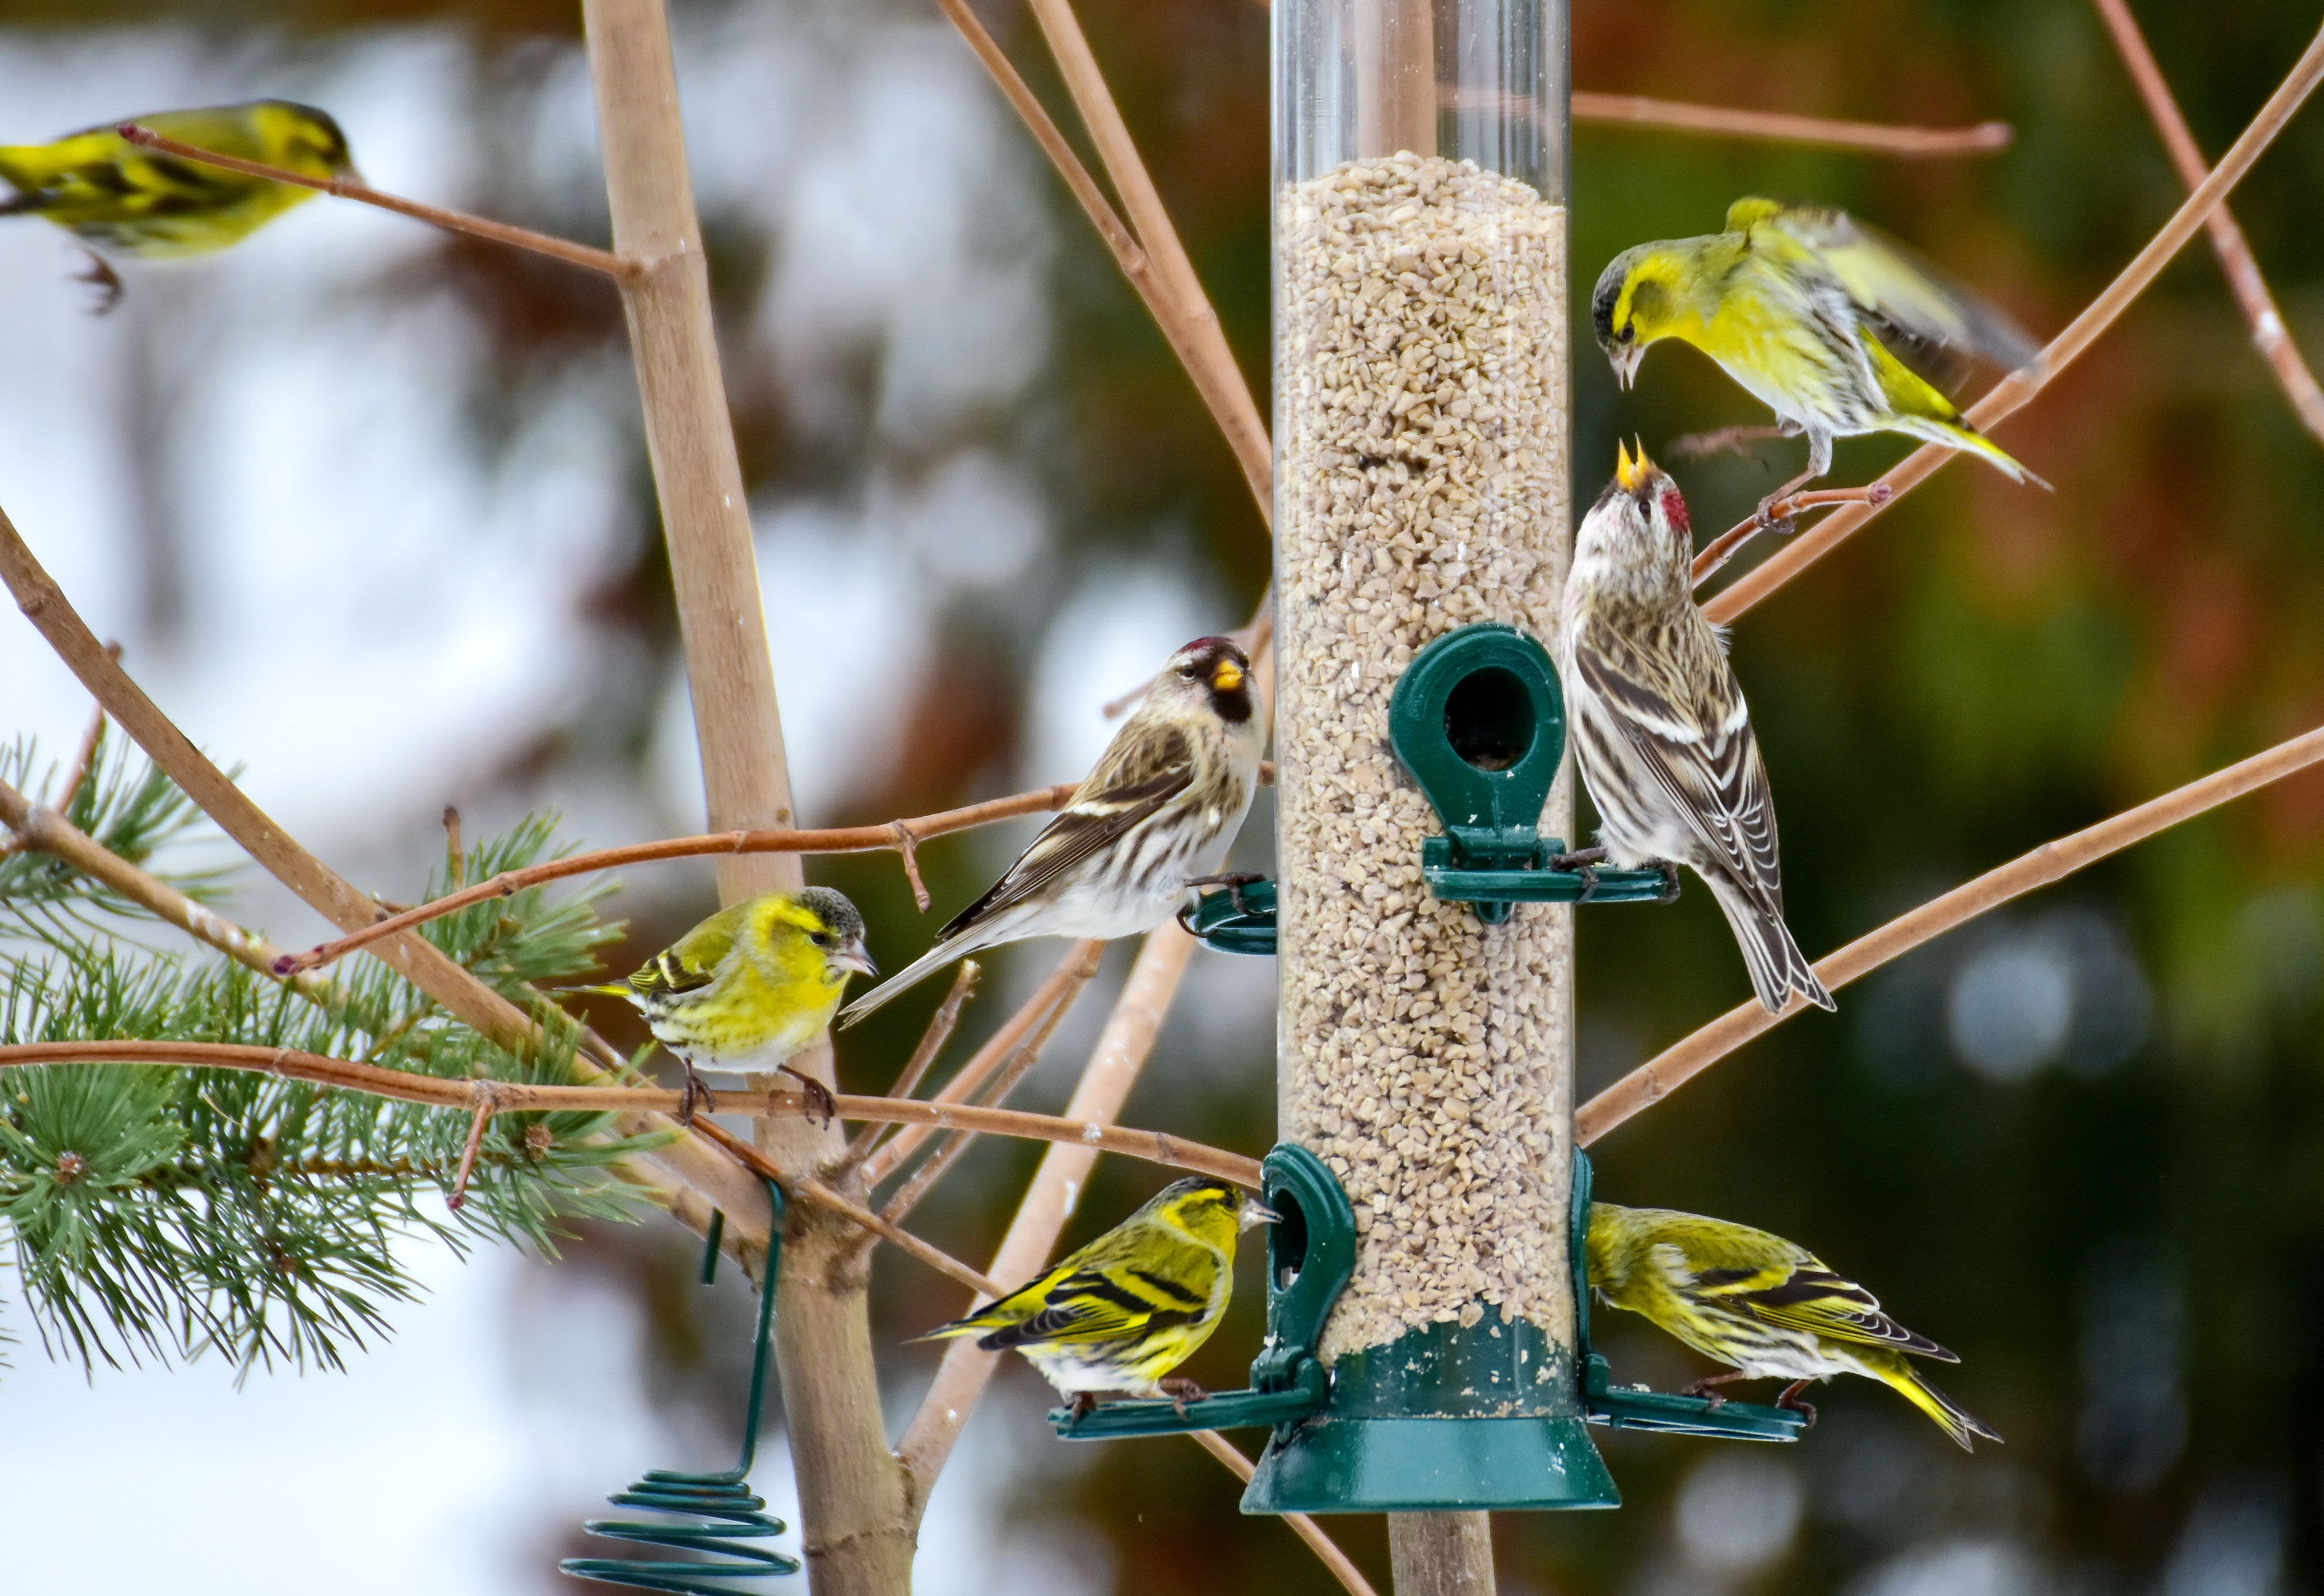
(1422, 420)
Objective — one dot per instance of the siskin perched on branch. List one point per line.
(751, 986)
(1660, 729)
(1123, 1312)
(120, 200)
(1764, 1305)
(1155, 816)
(1800, 306)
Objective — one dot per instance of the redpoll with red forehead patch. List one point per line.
(1660, 729)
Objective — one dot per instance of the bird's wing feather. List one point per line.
(1120, 794)
(1702, 755)
(1783, 1285)
(691, 962)
(1889, 283)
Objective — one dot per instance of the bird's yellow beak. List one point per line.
(1226, 676)
(1254, 1211)
(1629, 472)
(855, 956)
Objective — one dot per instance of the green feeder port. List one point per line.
(1478, 720)
(1488, 1416)
(1635, 1407)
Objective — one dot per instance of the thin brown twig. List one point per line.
(1182, 308)
(1057, 992)
(1782, 127)
(952, 1145)
(456, 859)
(932, 1040)
(1652, 1082)
(1342, 1567)
(2012, 392)
(458, 1197)
(2268, 335)
(842, 839)
(85, 756)
(1056, 1189)
(603, 262)
(907, 849)
(1153, 1146)
(1729, 543)
(686, 1160)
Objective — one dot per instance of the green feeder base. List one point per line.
(1445, 1418)
(1429, 1465)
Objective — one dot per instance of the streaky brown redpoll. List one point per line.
(1157, 814)
(1660, 729)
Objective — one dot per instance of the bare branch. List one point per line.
(601, 261)
(1652, 1082)
(1729, 543)
(2012, 392)
(1342, 1567)
(954, 1144)
(1054, 993)
(686, 1160)
(1782, 127)
(2268, 334)
(1153, 1146)
(1179, 304)
(932, 1041)
(842, 839)
(1048, 1202)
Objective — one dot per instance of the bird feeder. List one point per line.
(1424, 1049)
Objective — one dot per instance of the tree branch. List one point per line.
(1176, 298)
(601, 261)
(1056, 1187)
(932, 1041)
(2268, 334)
(1652, 1082)
(2012, 392)
(1054, 996)
(1342, 1567)
(1152, 1146)
(1782, 127)
(684, 1159)
(842, 839)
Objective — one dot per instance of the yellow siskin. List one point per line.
(1154, 818)
(1800, 306)
(119, 197)
(749, 986)
(1661, 732)
(1762, 1305)
(1123, 1312)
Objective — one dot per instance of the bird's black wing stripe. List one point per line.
(1171, 1289)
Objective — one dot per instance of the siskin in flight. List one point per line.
(749, 986)
(119, 197)
(1155, 816)
(1660, 729)
(1763, 1305)
(1800, 306)
(1123, 1312)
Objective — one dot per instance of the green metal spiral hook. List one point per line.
(733, 1514)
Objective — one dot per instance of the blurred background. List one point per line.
(367, 507)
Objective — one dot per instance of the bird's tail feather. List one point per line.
(911, 975)
(1778, 966)
(1959, 435)
(1962, 1426)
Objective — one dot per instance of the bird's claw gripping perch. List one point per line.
(1669, 872)
(692, 1096)
(1790, 1401)
(1233, 881)
(1181, 1391)
(822, 1107)
(100, 275)
(1583, 863)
